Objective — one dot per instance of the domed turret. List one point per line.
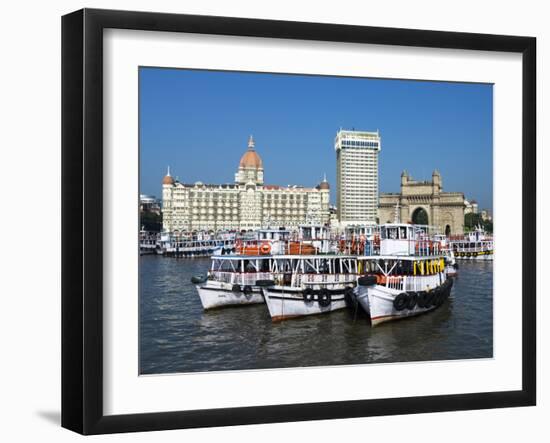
(324, 184)
(251, 168)
(168, 180)
(251, 159)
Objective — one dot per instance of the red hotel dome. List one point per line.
(251, 159)
(168, 180)
(324, 184)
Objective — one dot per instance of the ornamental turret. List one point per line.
(251, 167)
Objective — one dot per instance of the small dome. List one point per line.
(251, 159)
(324, 184)
(168, 180)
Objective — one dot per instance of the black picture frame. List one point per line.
(82, 218)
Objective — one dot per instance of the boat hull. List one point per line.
(451, 271)
(285, 303)
(220, 295)
(378, 302)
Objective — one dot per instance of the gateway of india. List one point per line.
(424, 202)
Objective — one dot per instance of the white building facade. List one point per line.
(357, 176)
(246, 204)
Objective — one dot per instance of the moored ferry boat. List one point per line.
(407, 278)
(148, 242)
(476, 245)
(234, 280)
(195, 244)
(310, 284)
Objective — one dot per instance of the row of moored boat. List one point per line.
(391, 271)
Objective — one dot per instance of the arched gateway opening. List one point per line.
(447, 230)
(420, 216)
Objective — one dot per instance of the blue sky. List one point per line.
(198, 122)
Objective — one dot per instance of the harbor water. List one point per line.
(176, 335)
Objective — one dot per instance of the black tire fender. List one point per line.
(400, 302)
(430, 296)
(367, 280)
(349, 296)
(324, 298)
(439, 298)
(412, 300)
(422, 299)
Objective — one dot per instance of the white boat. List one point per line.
(260, 257)
(310, 284)
(476, 245)
(148, 242)
(233, 280)
(407, 278)
(195, 244)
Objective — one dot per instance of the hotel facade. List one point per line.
(357, 176)
(246, 204)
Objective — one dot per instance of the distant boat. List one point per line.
(476, 245)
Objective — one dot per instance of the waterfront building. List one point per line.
(471, 207)
(486, 215)
(424, 202)
(357, 176)
(149, 203)
(246, 204)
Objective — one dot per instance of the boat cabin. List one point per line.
(397, 239)
(407, 240)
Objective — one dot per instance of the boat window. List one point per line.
(403, 232)
(392, 233)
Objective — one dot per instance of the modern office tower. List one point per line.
(357, 176)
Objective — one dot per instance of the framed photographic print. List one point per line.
(269, 221)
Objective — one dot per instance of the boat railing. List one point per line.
(485, 246)
(426, 248)
(308, 279)
(409, 283)
(358, 247)
(239, 278)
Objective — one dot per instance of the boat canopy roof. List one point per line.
(400, 257)
(288, 256)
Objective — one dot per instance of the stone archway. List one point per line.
(420, 216)
(424, 202)
(447, 230)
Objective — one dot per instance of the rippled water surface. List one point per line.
(177, 336)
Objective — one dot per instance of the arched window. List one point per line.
(420, 217)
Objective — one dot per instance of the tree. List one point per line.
(150, 221)
(472, 221)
